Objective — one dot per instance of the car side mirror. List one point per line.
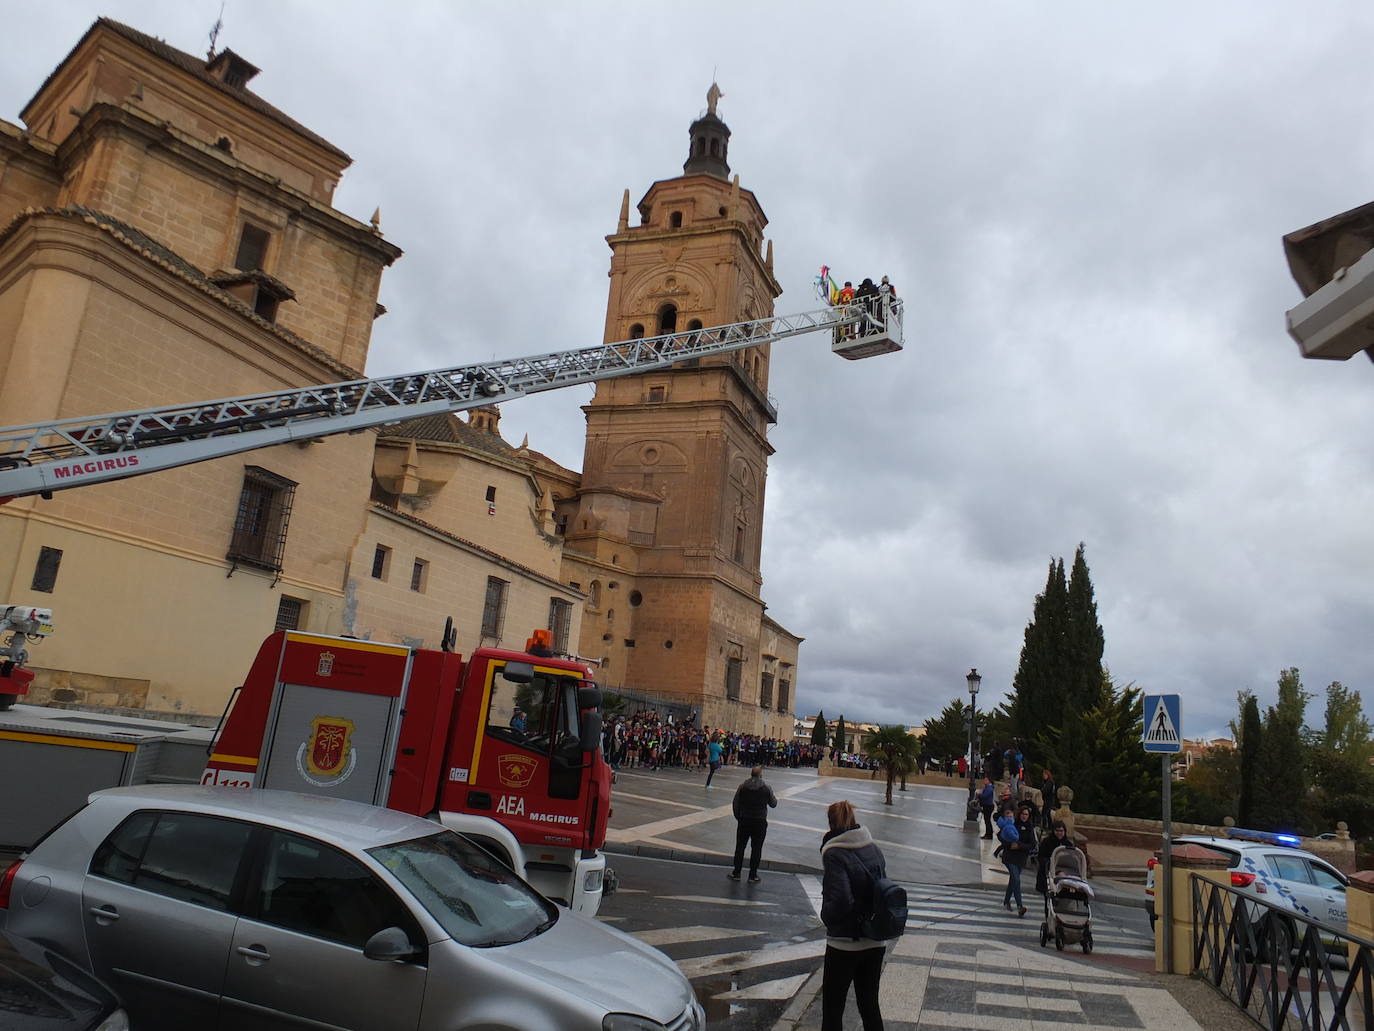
(390, 944)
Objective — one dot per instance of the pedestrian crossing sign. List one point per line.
(1163, 732)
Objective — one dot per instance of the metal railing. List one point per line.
(1283, 970)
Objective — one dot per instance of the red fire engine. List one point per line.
(502, 746)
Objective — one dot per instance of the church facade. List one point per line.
(167, 235)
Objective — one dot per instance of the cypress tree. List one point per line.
(1251, 736)
(1085, 640)
(818, 731)
(839, 734)
(1039, 688)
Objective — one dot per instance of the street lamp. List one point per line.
(974, 681)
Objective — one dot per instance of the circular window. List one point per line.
(636, 598)
(668, 645)
(650, 456)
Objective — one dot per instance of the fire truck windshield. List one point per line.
(540, 715)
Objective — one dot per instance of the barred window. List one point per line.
(560, 619)
(734, 669)
(784, 695)
(419, 576)
(264, 509)
(381, 562)
(494, 607)
(290, 613)
(766, 691)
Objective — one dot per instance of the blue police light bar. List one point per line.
(1268, 837)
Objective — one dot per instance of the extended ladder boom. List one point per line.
(43, 457)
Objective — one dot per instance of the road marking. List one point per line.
(735, 961)
(716, 900)
(661, 936)
(782, 988)
(657, 801)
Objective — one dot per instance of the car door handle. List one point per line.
(254, 953)
(104, 914)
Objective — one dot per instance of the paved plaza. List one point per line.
(753, 952)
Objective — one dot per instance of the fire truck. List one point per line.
(502, 746)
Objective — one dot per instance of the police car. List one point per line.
(1272, 865)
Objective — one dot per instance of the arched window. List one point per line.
(667, 319)
(715, 148)
(701, 145)
(694, 324)
(675, 220)
(636, 331)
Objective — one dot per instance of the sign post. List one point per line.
(1163, 733)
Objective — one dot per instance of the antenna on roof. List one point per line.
(214, 32)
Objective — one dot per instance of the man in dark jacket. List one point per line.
(752, 801)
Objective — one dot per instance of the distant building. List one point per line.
(1194, 749)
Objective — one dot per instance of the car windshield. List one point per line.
(475, 897)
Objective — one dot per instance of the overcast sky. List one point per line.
(1082, 205)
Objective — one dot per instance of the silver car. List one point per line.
(215, 907)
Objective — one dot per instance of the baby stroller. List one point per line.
(1068, 901)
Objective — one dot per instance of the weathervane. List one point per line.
(214, 32)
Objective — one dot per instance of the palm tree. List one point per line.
(897, 750)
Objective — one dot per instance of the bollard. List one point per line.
(1359, 901)
(1185, 860)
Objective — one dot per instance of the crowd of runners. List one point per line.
(645, 739)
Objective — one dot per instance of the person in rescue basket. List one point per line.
(851, 863)
(752, 801)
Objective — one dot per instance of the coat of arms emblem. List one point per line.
(515, 771)
(326, 666)
(327, 750)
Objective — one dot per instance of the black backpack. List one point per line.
(887, 909)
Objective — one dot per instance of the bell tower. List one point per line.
(676, 461)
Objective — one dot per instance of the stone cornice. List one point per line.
(132, 123)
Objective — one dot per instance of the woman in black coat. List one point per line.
(1057, 838)
(852, 863)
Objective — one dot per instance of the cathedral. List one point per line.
(168, 235)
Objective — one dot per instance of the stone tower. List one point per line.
(670, 511)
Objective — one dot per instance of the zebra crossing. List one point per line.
(978, 912)
(754, 954)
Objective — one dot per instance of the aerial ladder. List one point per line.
(41, 458)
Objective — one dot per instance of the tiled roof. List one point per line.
(448, 428)
(195, 66)
(140, 242)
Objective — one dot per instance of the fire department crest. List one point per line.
(515, 771)
(327, 750)
(326, 666)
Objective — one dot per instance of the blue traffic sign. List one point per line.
(1163, 731)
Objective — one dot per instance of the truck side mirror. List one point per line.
(518, 672)
(589, 697)
(591, 730)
